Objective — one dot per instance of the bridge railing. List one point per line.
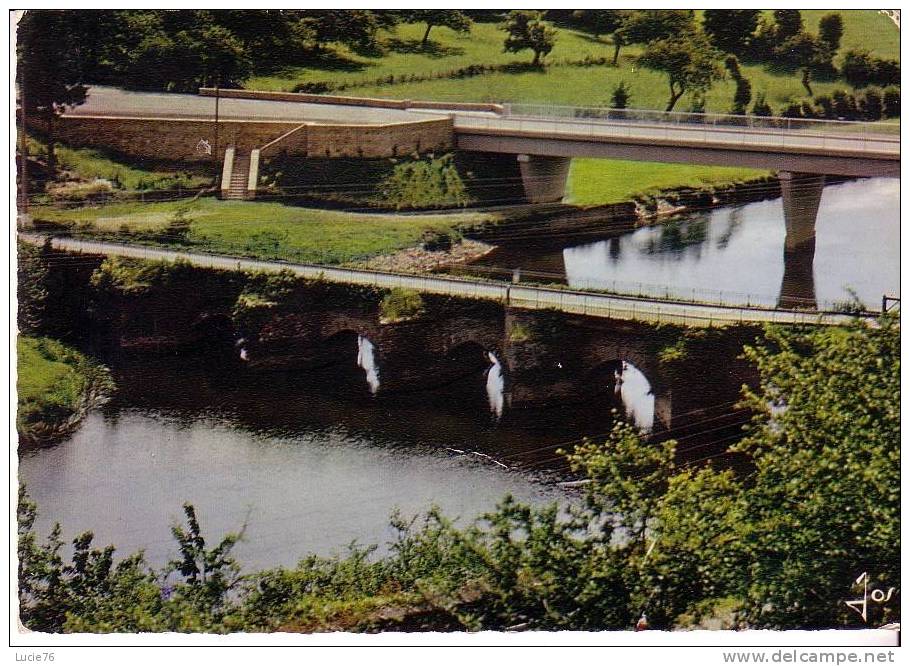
(846, 128)
(707, 127)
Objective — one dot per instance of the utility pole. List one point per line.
(22, 216)
(217, 100)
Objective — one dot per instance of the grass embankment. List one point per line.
(87, 165)
(263, 229)
(565, 80)
(597, 182)
(272, 230)
(55, 385)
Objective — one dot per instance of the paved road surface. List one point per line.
(115, 102)
(533, 298)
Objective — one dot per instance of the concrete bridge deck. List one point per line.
(550, 135)
(516, 296)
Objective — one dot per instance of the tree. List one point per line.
(644, 26)
(787, 23)
(49, 68)
(858, 68)
(731, 30)
(598, 21)
(527, 30)
(830, 30)
(447, 18)
(743, 94)
(825, 502)
(806, 52)
(689, 61)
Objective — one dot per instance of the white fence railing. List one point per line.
(526, 297)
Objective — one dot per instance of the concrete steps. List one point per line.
(239, 179)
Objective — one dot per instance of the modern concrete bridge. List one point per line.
(253, 125)
(516, 296)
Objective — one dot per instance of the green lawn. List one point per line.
(263, 229)
(51, 383)
(561, 82)
(593, 182)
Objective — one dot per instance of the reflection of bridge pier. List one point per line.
(802, 194)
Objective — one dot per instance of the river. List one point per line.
(733, 254)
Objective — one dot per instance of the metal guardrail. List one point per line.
(525, 297)
(845, 128)
(878, 139)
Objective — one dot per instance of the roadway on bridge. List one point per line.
(843, 139)
(518, 296)
(105, 101)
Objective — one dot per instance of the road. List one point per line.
(103, 100)
(832, 138)
(517, 296)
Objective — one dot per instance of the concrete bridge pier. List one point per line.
(802, 193)
(544, 178)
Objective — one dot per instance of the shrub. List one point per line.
(620, 97)
(891, 101)
(401, 304)
(761, 106)
(430, 183)
(871, 104)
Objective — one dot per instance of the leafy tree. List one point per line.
(689, 61)
(825, 499)
(731, 30)
(50, 68)
(447, 18)
(858, 68)
(527, 30)
(787, 23)
(831, 30)
(806, 52)
(598, 21)
(743, 94)
(645, 26)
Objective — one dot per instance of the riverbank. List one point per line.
(404, 242)
(56, 386)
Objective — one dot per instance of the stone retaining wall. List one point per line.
(179, 140)
(375, 102)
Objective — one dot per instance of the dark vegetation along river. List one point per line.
(315, 449)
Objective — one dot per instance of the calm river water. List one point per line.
(312, 461)
(736, 254)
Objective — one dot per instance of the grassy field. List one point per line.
(263, 229)
(561, 82)
(594, 182)
(52, 380)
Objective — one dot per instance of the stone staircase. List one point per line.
(240, 173)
